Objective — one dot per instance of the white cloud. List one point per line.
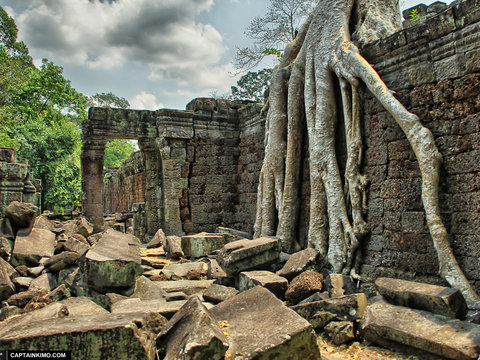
(145, 101)
(109, 35)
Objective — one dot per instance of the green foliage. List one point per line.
(117, 151)
(276, 52)
(108, 100)
(252, 85)
(414, 16)
(273, 30)
(40, 114)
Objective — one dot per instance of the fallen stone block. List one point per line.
(233, 234)
(21, 215)
(203, 244)
(145, 289)
(318, 296)
(82, 306)
(158, 240)
(22, 281)
(340, 332)
(51, 311)
(214, 270)
(9, 311)
(76, 245)
(276, 284)
(43, 222)
(188, 287)
(192, 333)
(243, 255)
(24, 297)
(113, 263)
(46, 281)
(178, 271)
(173, 247)
(155, 262)
(174, 296)
(119, 336)
(162, 307)
(303, 286)
(59, 293)
(417, 331)
(218, 293)
(320, 313)
(7, 288)
(437, 299)
(5, 248)
(61, 261)
(339, 285)
(299, 262)
(6, 229)
(31, 246)
(259, 326)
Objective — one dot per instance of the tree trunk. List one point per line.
(303, 92)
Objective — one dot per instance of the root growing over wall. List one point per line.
(303, 94)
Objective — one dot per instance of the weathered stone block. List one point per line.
(173, 247)
(304, 285)
(119, 336)
(276, 284)
(192, 333)
(61, 261)
(192, 269)
(437, 299)
(339, 285)
(188, 287)
(300, 262)
(320, 313)
(245, 254)
(145, 289)
(218, 293)
(158, 240)
(7, 287)
(31, 246)
(195, 246)
(82, 306)
(113, 263)
(261, 327)
(22, 215)
(159, 306)
(410, 330)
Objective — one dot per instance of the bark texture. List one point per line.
(303, 94)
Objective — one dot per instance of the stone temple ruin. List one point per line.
(200, 289)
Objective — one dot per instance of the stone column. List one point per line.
(154, 197)
(93, 154)
(12, 177)
(174, 156)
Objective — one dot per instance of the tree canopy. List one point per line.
(252, 85)
(273, 30)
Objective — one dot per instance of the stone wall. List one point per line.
(434, 67)
(16, 183)
(125, 185)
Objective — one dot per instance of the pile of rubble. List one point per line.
(205, 296)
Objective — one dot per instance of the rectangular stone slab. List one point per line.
(405, 329)
(437, 299)
(276, 284)
(115, 336)
(161, 307)
(319, 313)
(188, 287)
(246, 254)
(30, 247)
(259, 326)
(195, 246)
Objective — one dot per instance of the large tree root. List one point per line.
(322, 55)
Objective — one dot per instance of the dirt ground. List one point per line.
(359, 351)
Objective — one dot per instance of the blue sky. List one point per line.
(154, 53)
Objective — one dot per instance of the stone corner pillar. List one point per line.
(93, 154)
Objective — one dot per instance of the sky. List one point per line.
(155, 53)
